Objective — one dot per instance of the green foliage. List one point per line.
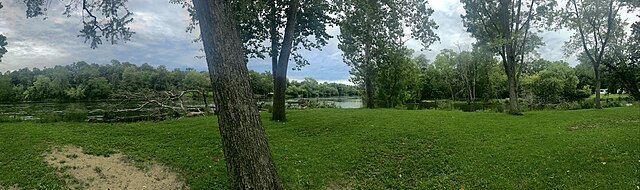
(363, 149)
(75, 112)
(106, 19)
(596, 32)
(397, 78)
(258, 18)
(82, 81)
(551, 82)
(196, 80)
(98, 88)
(41, 89)
(3, 42)
(497, 25)
(261, 83)
(76, 93)
(7, 93)
(372, 30)
(470, 75)
(3, 46)
(310, 88)
(586, 76)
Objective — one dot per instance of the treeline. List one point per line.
(84, 81)
(262, 84)
(477, 75)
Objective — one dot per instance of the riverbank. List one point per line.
(363, 149)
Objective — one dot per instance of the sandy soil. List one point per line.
(83, 171)
(15, 187)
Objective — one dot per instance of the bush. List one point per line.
(611, 103)
(587, 104)
(74, 112)
(569, 106)
(6, 119)
(49, 117)
(411, 106)
(581, 94)
(444, 105)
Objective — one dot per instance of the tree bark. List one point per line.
(280, 82)
(509, 57)
(273, 31)
(598, 75)
(513, 91)
(247, 154)
(368, 83)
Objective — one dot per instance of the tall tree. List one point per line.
(505, 26)
(367, 26)
(249, 161)
(304, 19)
(599, 25)
(623, 62)
(288, 26)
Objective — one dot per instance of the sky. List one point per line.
(161, 39)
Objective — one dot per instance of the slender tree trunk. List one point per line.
(204, 98)
(368, 83)
(280, 82)
(273, 31)
(368, 88)
(596, 68)
(247, 154)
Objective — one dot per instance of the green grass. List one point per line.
(365, 149)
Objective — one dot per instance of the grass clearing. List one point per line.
(361, 149)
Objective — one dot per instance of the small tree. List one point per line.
(505, 27)
(598, 24)
(368, 26)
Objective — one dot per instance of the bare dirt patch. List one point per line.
(15, 187)
(83, 171)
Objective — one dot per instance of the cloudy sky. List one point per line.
(161, 39)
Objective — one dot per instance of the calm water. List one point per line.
(338, 102)
(97, 109)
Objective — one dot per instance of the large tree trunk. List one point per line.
(509, 56)
(280, 82)
(596, 68)
(246, 151)
(513, 92)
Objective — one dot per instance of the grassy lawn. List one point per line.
(365, 149)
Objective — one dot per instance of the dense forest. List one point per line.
(83, 81)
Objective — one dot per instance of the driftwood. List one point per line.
(154, 105)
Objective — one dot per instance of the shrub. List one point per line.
(609, 104)
(569, 106)
(444, 105)
(49, 117)
(75, 112)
